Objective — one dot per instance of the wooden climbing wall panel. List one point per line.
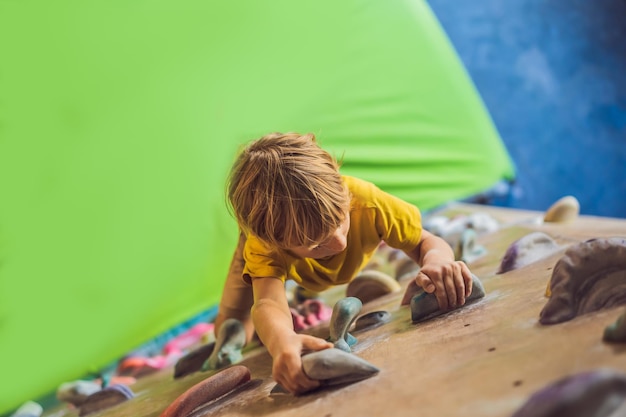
(484, 359)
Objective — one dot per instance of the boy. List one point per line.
(301, 219)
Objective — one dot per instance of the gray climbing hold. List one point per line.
(228, 345)
(371, 320)
(193, 361)
(424, 306)
(344, 313)
(334, 367)
(590, 276)
(467, 250)
(526, 250)
(597, 393)
(403, 266)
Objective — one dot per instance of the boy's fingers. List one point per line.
(423, 281)
(461, 290)
(451, 293)
(290, 375)
(302, 384)
(442, 300)
(467, 277)
(429, 286)
(314, 343)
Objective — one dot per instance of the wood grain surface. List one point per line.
(485, 359)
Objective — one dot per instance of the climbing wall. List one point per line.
(484, 359)
(119, 121)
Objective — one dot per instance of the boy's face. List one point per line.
(333, 245)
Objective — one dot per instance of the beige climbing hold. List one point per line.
(371, 284)
(563, 210)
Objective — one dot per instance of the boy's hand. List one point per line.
(287, 364)
(274, 324)
(451, 281)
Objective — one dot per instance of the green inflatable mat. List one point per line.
(119, 121)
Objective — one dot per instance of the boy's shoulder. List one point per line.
(364, 193)
(358, 185)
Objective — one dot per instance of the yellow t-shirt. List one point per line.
(374, 216)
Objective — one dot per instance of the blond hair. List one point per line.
(287, 191)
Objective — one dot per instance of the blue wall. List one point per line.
(553, 75)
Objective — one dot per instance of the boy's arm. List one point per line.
(236, 300)
(274, 325)
(450, 280)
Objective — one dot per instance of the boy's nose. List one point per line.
(338, 243)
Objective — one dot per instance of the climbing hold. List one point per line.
(590, 276)
(334, 367)
(231, 339)
(29, 409)
(309, 313)
(138, 366)
(424, 306)
(563, 210)
(467, 250)
(302, 294)
(446, 227)
(371, 284)
(344, 313)
(402, 265)
(315, 311)
(299, 321)
(188, 339)
(192, 362)
(595, 393)
(106, 398)
(526, 250)
(76, 392)
(371, 320)
(406, 268)
(208, 390)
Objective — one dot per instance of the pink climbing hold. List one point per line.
(138, 366)
(188, 339)
(310, 313)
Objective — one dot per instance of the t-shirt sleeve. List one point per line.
(261, 262)
(398, 223)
